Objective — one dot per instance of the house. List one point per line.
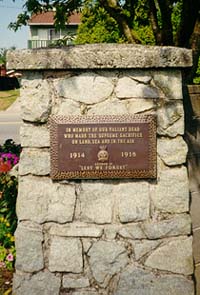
(44, 34)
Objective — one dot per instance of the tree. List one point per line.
(97, 26)
(3, 54)
(171, 22)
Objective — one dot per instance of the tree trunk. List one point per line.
(167, 31)
(189, 16)
(114, 10)
(154, 22)
(195, 46)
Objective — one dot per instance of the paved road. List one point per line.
(9, 126)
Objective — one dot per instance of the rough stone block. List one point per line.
(28, 242)
(170, 82)
(100, 56)
(193, 163)
(109, 107)
(66, 107)
(86, 292)
(106, 258)
(197, 279)
(111, 231)
(133, 231)
(36, 96)
(76, 230)
(170, 119)
(172, 151)
(171, 193)
(138, 281)
(65, 255)
(196, 245)
(34, 161)
(72, 282)
(134, 202)
(41, 200)
(41, 283)
(144, 247)
(87, 244)
(95, 205)
(175, 226)
(129, 88)
(87, 88)
(135, 106)
(194, 209)
(130, 231)
(34, 136)
(141, 75)
(175, 256)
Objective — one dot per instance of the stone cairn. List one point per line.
(88, 237)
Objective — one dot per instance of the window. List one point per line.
(53, 34)
(34, 33)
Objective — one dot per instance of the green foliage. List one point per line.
(62, 10)
(97, 27)
(141, 15)
(145, 34)
(10, 146)
(176, 17)
(8, 193)
(8, 219)
(9, 156)
(7, 257)
(66, 40)
(22, 20)
(196, 79)
(3, 54)
(159, 22)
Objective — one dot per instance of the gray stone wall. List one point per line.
(119, 237)
(193, 160)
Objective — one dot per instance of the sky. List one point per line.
(8, 12)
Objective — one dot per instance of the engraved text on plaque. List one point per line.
(100, 147)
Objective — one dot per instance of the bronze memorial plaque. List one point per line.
(100, 147)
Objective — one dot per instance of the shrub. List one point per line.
(10, 147)
(9, 157)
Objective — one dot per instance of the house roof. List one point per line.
(47, 18)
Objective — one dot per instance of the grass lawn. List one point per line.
(7, 98)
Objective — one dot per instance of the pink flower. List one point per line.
(7, 161)
(10, 257)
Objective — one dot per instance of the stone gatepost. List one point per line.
(120, 236)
